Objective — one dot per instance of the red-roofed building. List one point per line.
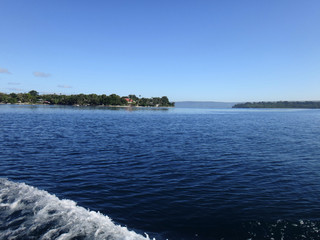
(129, 100)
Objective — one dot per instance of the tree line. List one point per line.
(33, 97)
(279, 104)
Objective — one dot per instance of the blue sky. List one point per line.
(232, 50)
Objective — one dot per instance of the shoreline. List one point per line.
(113, 106)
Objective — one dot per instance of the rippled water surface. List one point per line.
(170, 173)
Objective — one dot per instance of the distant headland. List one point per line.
(33, 97)
(279, 104)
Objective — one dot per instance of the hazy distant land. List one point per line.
(204, 104)
(279, 104)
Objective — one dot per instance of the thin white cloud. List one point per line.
(15, 89)
(41, 74)
(14, 83)
(4, 70)
(64, 86)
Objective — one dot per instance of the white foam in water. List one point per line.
(29, 213)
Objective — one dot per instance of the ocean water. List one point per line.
(144, 173)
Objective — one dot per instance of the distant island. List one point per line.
(279, 104)
(33, 97)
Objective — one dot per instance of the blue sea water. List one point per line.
(173, 173)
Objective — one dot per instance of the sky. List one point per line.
(231, 51)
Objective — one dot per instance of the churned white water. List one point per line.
(30, 213)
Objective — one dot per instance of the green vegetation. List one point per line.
(279, 104)
(33, 97)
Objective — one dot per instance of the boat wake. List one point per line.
(30, 213)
